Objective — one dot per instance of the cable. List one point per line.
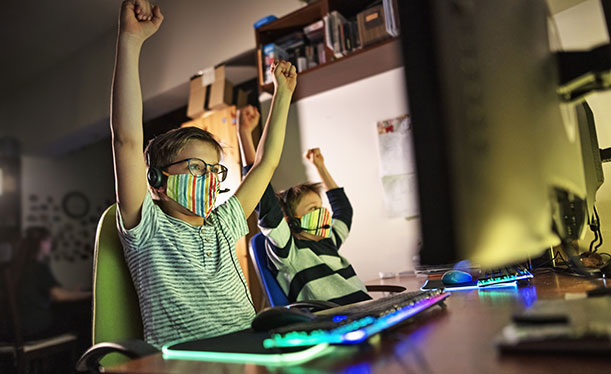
(600, 235)
(594, 240)
(238, 272)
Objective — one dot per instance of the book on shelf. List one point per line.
(321, 53)
(391, 13)
(337, 20)
(291, 41)
(311, 56)
(341, 34)
(315, 31)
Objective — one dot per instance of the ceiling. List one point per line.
(36, 35)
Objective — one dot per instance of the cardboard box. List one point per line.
(221, 91)
(209, 91)
(197, 97)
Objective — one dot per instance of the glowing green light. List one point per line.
(271, 359)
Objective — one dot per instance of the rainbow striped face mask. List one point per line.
(317, 222)
(196, 193)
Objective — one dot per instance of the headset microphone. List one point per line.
(318, 228)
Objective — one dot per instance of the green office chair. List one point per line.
(117, 324)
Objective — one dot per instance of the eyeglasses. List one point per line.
(197, 167)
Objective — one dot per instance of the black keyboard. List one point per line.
(354, 323)
(505, 274)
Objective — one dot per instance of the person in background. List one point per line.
(45, 307)
(303, 237)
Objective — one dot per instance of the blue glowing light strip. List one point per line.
(486, 282)
(349, 333)
(513, 284)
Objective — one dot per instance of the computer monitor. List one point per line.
(498, 154)
(592, 164)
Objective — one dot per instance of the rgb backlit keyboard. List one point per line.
(357, 322)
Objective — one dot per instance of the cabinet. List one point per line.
(358, 64)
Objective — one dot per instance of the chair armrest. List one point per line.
(385, 288)
(90, 360)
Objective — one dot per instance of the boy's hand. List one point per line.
(285, 76)
(139, 19)
(248, 118)
(315, 157)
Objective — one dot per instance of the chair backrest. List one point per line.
(116, 313)
(273, 292)
(10, 323)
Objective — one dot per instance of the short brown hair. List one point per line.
(162, 149)
(290, 198)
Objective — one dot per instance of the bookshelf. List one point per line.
(358, 64)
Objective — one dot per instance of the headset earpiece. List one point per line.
(295, 224)
(155, 177)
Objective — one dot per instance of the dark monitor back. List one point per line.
(493, 143)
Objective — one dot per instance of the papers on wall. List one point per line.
(397, 167)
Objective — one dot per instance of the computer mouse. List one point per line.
(456, 277)
(279, 316)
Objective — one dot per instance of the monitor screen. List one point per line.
(498, 154)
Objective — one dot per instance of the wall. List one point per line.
(73, 96)
(574, 36)
(46, 184)
(342, 123)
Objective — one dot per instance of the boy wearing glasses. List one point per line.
(180, 250)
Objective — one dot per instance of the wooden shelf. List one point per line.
(363, 63)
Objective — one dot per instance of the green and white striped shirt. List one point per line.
(188, 279)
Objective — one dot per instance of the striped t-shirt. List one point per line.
(307, 269)
(188, 279)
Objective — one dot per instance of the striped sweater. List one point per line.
(306, 269)
(188, 279)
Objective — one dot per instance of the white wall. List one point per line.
(342, 123)
(45, 184)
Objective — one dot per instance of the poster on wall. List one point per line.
(397, 167)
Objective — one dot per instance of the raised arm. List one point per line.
(315, 157)
(248, 119)
(269, 150)
(138, 20)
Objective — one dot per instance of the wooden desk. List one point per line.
(458, 339)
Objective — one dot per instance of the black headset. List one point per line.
(154, 175)
(294, 223)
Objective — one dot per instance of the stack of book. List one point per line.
(306, 48)
(341, 35)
